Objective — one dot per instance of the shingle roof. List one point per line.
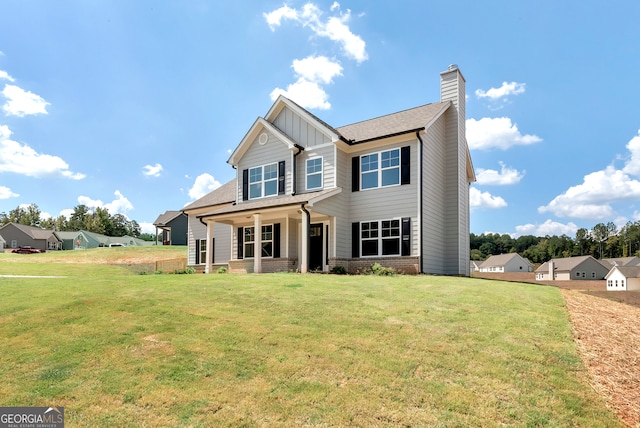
(627, 271)
(565, 264)
(393, 124)
(166, 217)
(623, 261)
(35, 232)
(222, 195)
(501, 259)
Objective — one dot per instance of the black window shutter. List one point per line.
(213, 250)
(197, 251)
(281, 178)
(406, 236)
(276, 241)
(355, 239)
(245, 184)
(240, 243)
(355, 173)
(405, 165)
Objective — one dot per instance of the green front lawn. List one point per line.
(117, 349)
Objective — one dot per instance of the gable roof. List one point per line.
(402, 122)
(503, 259)
(34, 232)
(222, 195)
(567, 264)
(623, 261)
(166, 217)
(627, 271)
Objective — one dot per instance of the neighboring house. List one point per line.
(174, 225)
(623, 261)
(220, 246)
(20, 235)
(475, 265)
(623, 278)
(568, 268)
(2, 243)
(129, 241)
(511, 262)
(310, 197)
(83, 239)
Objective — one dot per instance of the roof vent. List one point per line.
(453, 67)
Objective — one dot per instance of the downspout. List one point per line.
(308, 230)
(421, 239)
(295, 169)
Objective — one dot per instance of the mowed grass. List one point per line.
(118, 349)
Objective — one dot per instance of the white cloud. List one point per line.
(592, 198)
(21, 103)
(5, 76)
(506, 176)
(147, 227)
(505, 90)
(6, 193)
(632, 166)
(204, 184)
(488, 133)
(120, 205)
(22, 159)
(334, 28)
(549, 227)
(317, 69)
(479, 199)
(307, 94)
(152, 171)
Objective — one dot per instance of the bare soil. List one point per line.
(606, 328)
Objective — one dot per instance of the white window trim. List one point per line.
(380, 238)
(244, 243)
(203, 260)
(380, 169)
(262, 181)
(321, 173)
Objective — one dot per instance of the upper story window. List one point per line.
(263, 181)
(314, 173)
(380, 169)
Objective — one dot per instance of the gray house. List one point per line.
(572, 268)
(174, 226)
(3, 243)
(20, 235)
(310, 197)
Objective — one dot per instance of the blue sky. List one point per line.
(136, 106)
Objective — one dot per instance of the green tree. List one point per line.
(78, 219)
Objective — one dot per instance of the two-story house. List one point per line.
(309, 197)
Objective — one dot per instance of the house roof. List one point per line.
(623, 261)
(166, 217)
(402, 122)
(566, 264)
(627, 271)
(222, 195)
(34, 232)
(301, 198)
(502, 259)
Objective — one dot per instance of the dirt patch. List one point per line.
(606, 328)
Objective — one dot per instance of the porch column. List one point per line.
(207, 266)
(257, 248)
(304, 263)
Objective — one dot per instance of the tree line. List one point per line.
(96, 220)
(601, 241)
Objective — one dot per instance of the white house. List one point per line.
(623, 278)
(572, 268)
(511, 262)
(310, 197)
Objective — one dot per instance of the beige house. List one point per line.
(572, 268)
(310, 197)
(511, 262)
(623, 278)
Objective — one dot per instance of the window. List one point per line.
(593, 275)
(14, 243)
(203, 251)
(314, 173)
(380, 169)
(263, 181)
(380, 238)
(249, 240)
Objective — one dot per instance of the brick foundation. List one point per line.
(406, 265)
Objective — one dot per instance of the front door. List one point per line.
(315, 247)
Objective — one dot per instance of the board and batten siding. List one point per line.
(433, 196)
(273, 151)
(298, 129)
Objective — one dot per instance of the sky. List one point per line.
(136, 106)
